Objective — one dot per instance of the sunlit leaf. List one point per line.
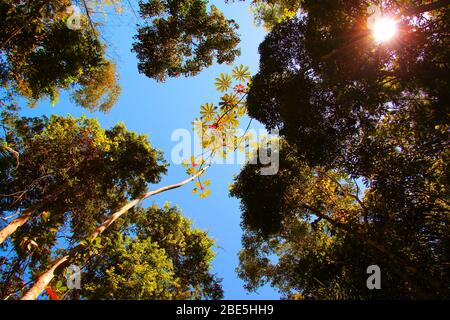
(241, 73)
(223, 82)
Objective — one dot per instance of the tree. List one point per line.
(325, 232)
(226, 120)
(99, 90)
(269, 13)
(151, 254)
(183, 38)
(42, 56)
(42, 281)
(108, 160)
(373, 113)
(325, 95)
(46, 197)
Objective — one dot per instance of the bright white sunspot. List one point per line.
(384, 29)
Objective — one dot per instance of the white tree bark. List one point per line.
(43, 280)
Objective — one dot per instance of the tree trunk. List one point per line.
(425, 8)
(14, 225)
(43, 281)
(26, 215)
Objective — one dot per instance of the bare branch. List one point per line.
(14, 153)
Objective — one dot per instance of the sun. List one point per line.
(384, 29)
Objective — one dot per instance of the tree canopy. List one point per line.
(363, 175)
(325, 83)
(41, 56)
(373, 120)
(95, 171)
(155, 253)
(325, 231)
(183, 38)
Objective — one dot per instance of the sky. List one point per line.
(158, 109)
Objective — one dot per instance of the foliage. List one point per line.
(94, 172)
(370, 113)
(217, 127)
(363, 173)
(183, 38)
(99, 90)
(269, 13)
(41, 55)
(324, 233)
(154, 254)
(326, 83)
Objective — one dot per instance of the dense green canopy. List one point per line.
(70, 175)
(326, 83)
(313, 232)
(364, 162)
(372, 116)
(182, 38)
(40, 55)
(154, 254)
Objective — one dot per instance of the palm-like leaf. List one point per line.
(241, 73)
(223, 82)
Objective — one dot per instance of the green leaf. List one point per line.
(223, 82)
(208, 111)
(97, 243)
(241, 73)
(228, 101)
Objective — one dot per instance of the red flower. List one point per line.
(213, 126)
(51, 294)
(239, 88)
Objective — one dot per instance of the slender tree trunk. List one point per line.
(43, 280)
(91, 24)
(12, 226)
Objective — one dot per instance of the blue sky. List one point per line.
(157, 109)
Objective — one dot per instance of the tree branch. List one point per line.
(44, 279)
(14, 153)
(91, 24)
(425, 8)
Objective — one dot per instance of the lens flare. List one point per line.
(384, 29)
